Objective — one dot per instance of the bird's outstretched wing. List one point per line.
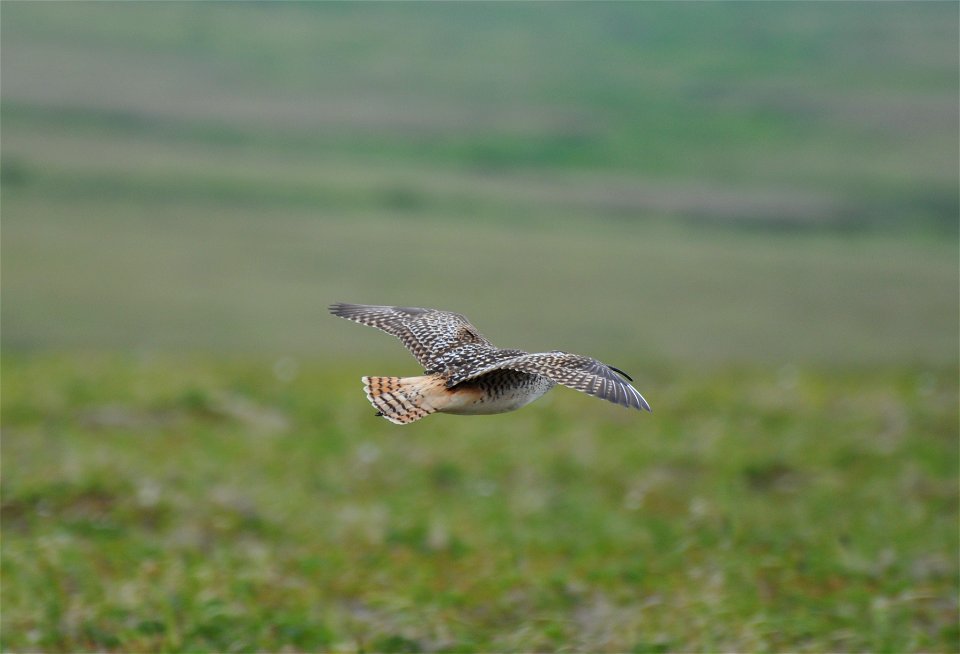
(432, 336)
(575, 371)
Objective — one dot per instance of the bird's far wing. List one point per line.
(427, 333)
(577, 372)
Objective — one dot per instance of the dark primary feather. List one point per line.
(621, 373)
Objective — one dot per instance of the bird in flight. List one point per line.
(465, 374)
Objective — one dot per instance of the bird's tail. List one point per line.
(403, 400)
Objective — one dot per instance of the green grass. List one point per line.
(160, 271)
(708, 183)
(751, 207)
(693, 183)
(855, 102)
(185, 504)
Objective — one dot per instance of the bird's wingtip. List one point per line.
(643, 405)
(339, 308)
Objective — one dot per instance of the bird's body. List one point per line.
(498, 392)
(466, 374)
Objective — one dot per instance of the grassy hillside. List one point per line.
(802, 95)
(181, 275)
(187, 505)
(731, 182)
(772, 183)
(846, 114)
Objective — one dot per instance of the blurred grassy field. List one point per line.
(751, 207)
(737, 183)
(162, 504)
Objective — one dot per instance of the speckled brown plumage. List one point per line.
(465, 373)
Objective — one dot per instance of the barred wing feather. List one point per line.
(427, 333)
(574, 371)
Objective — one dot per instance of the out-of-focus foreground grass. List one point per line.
(195, 505)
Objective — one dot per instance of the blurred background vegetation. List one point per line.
(751, 207)
(690, 182)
